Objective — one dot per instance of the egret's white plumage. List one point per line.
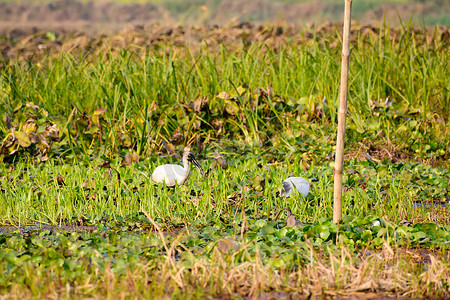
(175, 174)
(294, 184)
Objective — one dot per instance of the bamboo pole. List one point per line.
(339, 161)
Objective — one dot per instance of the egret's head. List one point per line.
(191, 158)
(286, 190)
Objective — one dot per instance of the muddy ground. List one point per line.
(108, 16)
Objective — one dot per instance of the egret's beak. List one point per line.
(196, 163)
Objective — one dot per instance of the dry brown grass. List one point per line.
(34, 45)
(338, 273)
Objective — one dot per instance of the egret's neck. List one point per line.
(187, 168)
(186, 164)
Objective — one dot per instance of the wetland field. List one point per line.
(86, 118)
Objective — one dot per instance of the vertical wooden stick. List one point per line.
(339, 161)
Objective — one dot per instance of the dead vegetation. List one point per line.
(389, 272)
(36, 43)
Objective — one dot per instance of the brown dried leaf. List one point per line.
(95, 118)
(218, 125)
(89, 184)
(8, 122)
(60, 179)
(29, 126)
(13, 152)
(153, 107)
(231, 108)
(223, 95)
(199, 143)
(226, 245)
(22, 139)
(127, 160)
(34, 138)
(43, 140)
(241, 90)
(169, 147)
(264, 92)
(374, 105)
(52, 132)
(32, 105)
(197, 124)
(105, 164)
(199, 104)
(130, 158)
(220, 160)
(100, 111)
(83, 121)
(176, 138)
(125, 140)
(31, 116)
(8, 141)
(388, 102)
(43, 112)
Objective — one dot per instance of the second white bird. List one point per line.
(293, 184)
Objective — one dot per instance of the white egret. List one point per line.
(294, 184)
(291, 220)
(175, 174)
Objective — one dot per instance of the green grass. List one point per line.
(383, 190)
(146, 93)
(221, 235)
